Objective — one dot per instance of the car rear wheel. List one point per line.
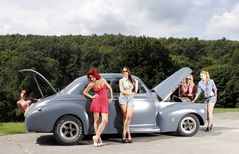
(188, 125)
(68, 130)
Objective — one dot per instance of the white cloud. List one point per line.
(225, 25)
(201, 2)
(157, 18)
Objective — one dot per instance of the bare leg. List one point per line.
(123, 110)
(96, 120)
(101, 127)
(210, 107)
(206, 111)
(129, 112)
(96, 125)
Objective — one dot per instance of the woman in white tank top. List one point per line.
(128, 88)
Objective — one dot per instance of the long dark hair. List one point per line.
(129, 73)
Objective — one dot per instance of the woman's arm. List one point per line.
(136, 86)
(109, 87)
(122, 91)
(87, 89)
(19, 105)
(199, 90)
(191, 89)
(214, 88)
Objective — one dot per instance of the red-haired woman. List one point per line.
(99, 104)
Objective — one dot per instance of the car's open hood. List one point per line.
(34, 74)
(169, 85)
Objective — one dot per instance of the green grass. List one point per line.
(221, 110)
(12, 128)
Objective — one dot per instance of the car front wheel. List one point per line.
(188, 125)
(68, 130)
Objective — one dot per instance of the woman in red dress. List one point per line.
(99, 104)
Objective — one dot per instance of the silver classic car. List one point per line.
(66, 113)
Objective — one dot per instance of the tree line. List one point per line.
(61, 59)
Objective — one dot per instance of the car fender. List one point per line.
(80, 113)
(168, 118)
(43, 119)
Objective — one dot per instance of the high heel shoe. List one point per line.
(210, 128)
(101, 143)
(95, 142)
(130, 141)
(207, 129)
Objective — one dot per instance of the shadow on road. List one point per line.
(49, 140)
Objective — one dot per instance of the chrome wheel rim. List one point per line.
(188, 125)
(69, 130)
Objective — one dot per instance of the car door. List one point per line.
(115, 121)
(144, 110)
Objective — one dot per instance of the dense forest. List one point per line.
(61, 59)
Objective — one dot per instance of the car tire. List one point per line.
(68, 130)
(188, 125)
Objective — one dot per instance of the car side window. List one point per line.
(141, 89)
(115, 86)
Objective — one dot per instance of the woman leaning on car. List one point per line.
(209, 88)
(99, 104)
(128, 87)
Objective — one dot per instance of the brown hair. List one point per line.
(24, 89)
(129, 73)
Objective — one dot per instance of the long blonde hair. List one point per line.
(206, 74)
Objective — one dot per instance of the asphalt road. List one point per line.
(224, 139)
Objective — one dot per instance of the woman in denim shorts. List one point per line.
(128, 87)
(209, 88)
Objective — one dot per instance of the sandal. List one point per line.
(95, 143)
(101, 143)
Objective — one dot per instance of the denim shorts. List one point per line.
(126, 100)
(211, 99)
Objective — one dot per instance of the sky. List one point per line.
(204, 19)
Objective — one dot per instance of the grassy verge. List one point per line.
(220, 110)
(12, 128)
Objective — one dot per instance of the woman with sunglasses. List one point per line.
(99, 104)
(187, 89)
(209, 88)
(128, 87)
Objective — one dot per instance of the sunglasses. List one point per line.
(125, 71)
(188, 79)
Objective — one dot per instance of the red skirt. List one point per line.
(99, 105)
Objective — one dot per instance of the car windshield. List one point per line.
(74, 87)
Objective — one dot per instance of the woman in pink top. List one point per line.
(24, 103)
(188, 88)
